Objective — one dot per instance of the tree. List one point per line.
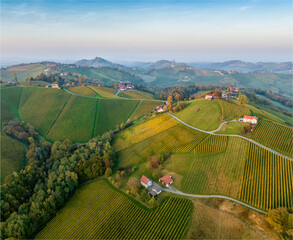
(28, 79)
(242, 99)
(278, 219)
(108, 172)
(15, 77)
(122, 126)
(153, 162)
(170, 100)
(165, 108)
(152, 201)
(80, 80)
(115, 85)
(217, 93)
(133, 184)
(177, 97)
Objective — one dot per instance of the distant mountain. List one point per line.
(155, 65)
(96, 62)
(241, 66)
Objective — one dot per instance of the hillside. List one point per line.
(96, 62)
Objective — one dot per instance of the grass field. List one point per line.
(41, 106)
(267, 180)
(208, 117)
(98, 211)
(83, 91)
(218, 173)
(105, 92)
(112, 112)
(135, 94)
(12, 156)
(232, 128)
(276, 136)
(144, 107)
(76, 121)
(210, 223)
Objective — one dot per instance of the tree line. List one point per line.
(32, 196)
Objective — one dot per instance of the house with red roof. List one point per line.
(249, 119)
(160, 108)
(146, 182)
(166, 180)
(153, 188)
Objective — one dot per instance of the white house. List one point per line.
(55, 85)
(209, 97)
(249, 119)
(146, 182)
(167, 180)
(160, 108)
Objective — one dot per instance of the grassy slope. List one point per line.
(98, 211)
(82, 91)
(12, 94)
(12, 156)
(232, 128)
(144, 107)
(112, 112)
(135, 94)
(105, 91)
(41, 106)
(6, 113)
(21, 72)
(76, 120)
(208, 117)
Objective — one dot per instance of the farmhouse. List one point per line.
(249, 119)
(166, 180)
(153, 188)
(209, 97)
(121, 87)
(160, 108)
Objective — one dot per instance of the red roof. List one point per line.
(166, 179)
(144, 179)
(250, 117)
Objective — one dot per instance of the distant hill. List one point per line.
(96, 62)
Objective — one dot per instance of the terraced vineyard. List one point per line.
(232, 111)
(175, 139)
(267, 180)
(275, 136)
(97, 211)
(212, 144)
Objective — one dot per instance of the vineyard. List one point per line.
(232, 111)
(211, 173)
(276, 136)
(212, 144)
(135, 94)
(97, 211)
(104, 91)
(267, 180)
(83, 91)
(144, 107)
(143, 131)
(174, 140)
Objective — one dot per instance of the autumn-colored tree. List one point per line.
(108, 172)
(133, 184)
(178, 97)
(122, 126)
(153, 162)
(217, 93)
(28, 79)
(165, 108)
(170, 100)
(115, 85)
(278, 219)
(242, 99)
(15, 77)
(80, 80)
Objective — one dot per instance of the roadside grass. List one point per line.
(105, 92)
(207, 118)
(144, 107)
(41, 106)
(99, 211)
(112, 112)
(82, 90)
(76, 120)
(232, 128)
(136, 94)
(12, 156)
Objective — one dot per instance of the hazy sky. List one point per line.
(204, 30)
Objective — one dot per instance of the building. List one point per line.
(55, 85)
(249, 119)
(129, 86)
(160, 108)
(224, 95)
(166, 180)
(153, 188)
(209, 97)
(121, 87)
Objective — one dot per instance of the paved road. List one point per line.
(116, 94)
(222, 125)
(232, 135)
(175, 191)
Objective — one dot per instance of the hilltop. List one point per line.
(96, 62)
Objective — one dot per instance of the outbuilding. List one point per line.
(166, 180)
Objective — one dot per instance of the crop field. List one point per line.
(211, 173)
(98, 211)
(12, 94)
(143, 131)
(212, 144)
(76, 121)
(135, 94)
(144, 107)
(112, 112)
(207, 118)
(41, 106)
(12, 156)
(276, 136)
(267, 180)
(82, 91)
(6, 111)
(176, 139)
(105, 91)
(232, 111)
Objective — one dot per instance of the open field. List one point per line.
(76, 120)
(135, 94)
(144, 107)
(267, 179)
(83, 91)
(98, 211)
(208, 117)
(112, 112)
(12, 156)
(276, 136)
(105, 92)
(232, 128)
(210, 223)
(41, 106)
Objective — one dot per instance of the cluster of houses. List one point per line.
(231, 93)
(154, 188)
(249, 119)
(54, 85)
(160, 108)
(125, 87)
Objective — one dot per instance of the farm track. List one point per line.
(232, 135)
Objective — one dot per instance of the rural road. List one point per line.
(232, 135)
(222, 125)
(175, 191)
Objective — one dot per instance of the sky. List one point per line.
(198, 30)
